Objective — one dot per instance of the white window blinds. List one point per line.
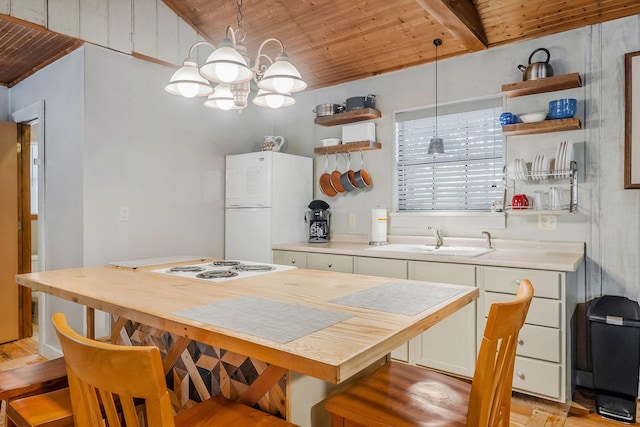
(468, 176)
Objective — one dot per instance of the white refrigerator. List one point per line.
(266, 197)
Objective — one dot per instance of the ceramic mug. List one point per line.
(519, 201)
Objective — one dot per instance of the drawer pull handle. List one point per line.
(517, 282)
(293, 261)
(520, 375)
(329, 265)
(520, 341)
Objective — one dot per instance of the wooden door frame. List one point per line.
(24, 230)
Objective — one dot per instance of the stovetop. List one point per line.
(220, 271)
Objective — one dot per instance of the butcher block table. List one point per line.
(320, 328)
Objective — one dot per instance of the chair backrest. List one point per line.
(490, 400)
(104, 379)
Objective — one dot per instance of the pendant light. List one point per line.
(436, 145)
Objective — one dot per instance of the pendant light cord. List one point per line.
(437, 42)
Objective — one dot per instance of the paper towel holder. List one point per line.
(378, 227)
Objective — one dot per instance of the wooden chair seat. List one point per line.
(401, 395)
(52, 409)
(33, 379)
(107, 382)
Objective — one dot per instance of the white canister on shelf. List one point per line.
(378, 226)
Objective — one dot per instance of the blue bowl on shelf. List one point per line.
(563, 108)
(508, 119)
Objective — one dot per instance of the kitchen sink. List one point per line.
(415, 248)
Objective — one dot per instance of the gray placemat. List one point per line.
(407, 299)
(277, 321)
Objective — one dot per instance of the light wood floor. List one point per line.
(525, 412)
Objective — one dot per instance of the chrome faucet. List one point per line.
(486, 233)
(437, 233)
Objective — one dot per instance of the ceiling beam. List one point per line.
(461, 18)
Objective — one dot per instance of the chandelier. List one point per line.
(230, 69)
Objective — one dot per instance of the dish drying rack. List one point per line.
(570, 174)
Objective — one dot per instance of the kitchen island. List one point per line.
(338, 328)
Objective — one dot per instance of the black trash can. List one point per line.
(615, 355)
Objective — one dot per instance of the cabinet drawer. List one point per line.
(328, 262)
(455, 274)
(297, 259)
(539, 342)
(546, 284)
(542, 312)
(380, 267)
(538, 377)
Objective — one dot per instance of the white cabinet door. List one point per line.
(394, 268)
(451, 344)
(296, 259)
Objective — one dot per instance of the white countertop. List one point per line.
(539, 255)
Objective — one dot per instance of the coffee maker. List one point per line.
(318, 218)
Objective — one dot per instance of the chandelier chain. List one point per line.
(239, 14)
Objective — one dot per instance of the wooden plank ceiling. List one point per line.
(336, 41)
(25, 48)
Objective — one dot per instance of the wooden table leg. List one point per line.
(267, 379)
(91, 322)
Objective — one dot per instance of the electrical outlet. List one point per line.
(124, 214)
(548, 222)
(352, 219)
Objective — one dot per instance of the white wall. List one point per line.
(160, 156)
(4, 103)
(60, 86)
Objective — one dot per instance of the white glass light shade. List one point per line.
(226, 65)
(221, 98)
(282, 77)
(273, 100)
(188, 82)
(436, 146)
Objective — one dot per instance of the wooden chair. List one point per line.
(399, 395)
(32, 380)
(100, 374)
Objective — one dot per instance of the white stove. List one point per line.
(221, 271)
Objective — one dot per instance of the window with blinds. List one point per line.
(468, 176)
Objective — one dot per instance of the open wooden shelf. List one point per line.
(548, 84)
(544, 126)
(348, 117)
(348, 147)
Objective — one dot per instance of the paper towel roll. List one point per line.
(378, 226)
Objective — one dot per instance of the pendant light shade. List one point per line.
(226, 65)
(436, 145)
(273, 100)
(282, 77)
(221, 98)
(188, 82)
